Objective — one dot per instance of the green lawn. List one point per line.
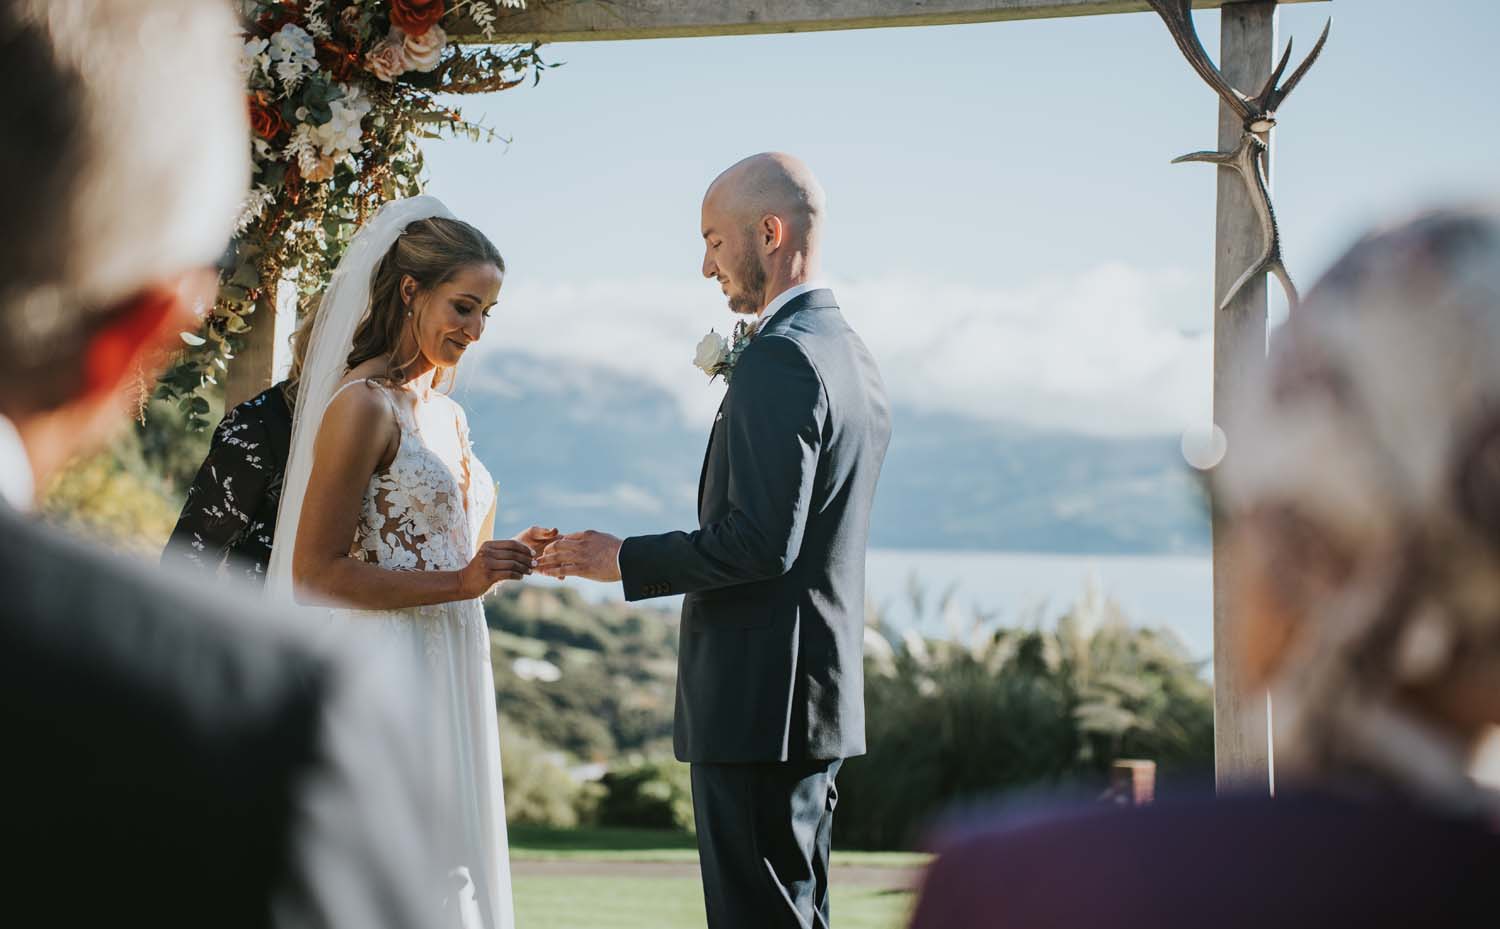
(671, 903)
(631, 901)
(534, 843)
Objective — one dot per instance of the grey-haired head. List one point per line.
(1363, 487)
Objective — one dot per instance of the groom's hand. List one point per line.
(594, 555)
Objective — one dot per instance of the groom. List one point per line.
(770, 685)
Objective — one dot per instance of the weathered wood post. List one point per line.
(1247, 41)
(251, 370)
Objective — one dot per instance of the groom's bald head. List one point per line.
(762, 225)
(771, 183)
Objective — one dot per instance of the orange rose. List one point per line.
(415, 17)
(265, 119)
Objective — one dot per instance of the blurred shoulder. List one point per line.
(82, 618)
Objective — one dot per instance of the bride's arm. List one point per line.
(358, 432)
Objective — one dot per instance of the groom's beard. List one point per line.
(751, 297)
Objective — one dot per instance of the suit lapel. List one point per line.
(708, 452)
(823, 298)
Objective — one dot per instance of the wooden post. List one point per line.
(1132, 782)
(254, 368)
(1246, 45)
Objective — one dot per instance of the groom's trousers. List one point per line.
(764, 832)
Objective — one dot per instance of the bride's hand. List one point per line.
(537, 539)
(496, 561)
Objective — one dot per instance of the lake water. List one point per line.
(1022, 588)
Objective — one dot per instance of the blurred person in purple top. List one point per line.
(1363, 494)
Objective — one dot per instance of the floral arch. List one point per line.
(341, 93)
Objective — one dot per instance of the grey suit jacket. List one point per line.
(772, 640)
(175, 757)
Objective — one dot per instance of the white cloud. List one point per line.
(1110, 350)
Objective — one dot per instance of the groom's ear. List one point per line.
(772, 232)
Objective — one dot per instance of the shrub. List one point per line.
(950, 722)
(617, 669)
(114, 498)
(648, 795)
(538, 791)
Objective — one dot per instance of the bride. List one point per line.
(386, 508)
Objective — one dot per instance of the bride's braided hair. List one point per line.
(432, 251)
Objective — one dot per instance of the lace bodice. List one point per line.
(425, 510)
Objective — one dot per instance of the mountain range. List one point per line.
(580, 446)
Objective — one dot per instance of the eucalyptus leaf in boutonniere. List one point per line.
(716, 356)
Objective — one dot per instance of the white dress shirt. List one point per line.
(17, 485)
(785, 297)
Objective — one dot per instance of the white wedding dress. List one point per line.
(424, 513)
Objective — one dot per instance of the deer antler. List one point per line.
(1248, 160)
(1178, 15)
(1258, 115)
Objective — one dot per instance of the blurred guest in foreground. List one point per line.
(229, 517)
(1363, 492)
(171, 759)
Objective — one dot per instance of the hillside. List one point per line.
(586, 447)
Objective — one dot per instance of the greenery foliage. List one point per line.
(114, 497)
(956, 720)
(648, 795)
(128, 494)
(538, 789)
(615, 671)
(950, 720)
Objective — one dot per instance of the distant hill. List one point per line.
(581, 446)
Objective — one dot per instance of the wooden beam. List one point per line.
(1247, 40)
(596, 20)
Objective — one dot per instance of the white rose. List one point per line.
(711, 351)
(426, 50)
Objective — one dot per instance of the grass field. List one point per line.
(593, 898)
(671, 903)
(532, 843)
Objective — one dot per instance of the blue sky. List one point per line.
(1006, 229)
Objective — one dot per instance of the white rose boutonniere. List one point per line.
(711, 350)
(716, 356)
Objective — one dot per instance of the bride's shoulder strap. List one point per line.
(368, 382)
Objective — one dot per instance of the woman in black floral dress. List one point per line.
(229, 519)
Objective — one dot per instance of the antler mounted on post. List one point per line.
(1258, 116)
